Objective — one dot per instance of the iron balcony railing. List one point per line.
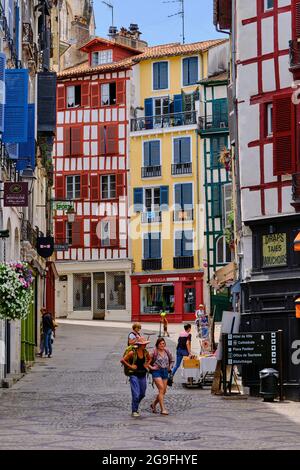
(295, 53)
(151, 171)
(181, 168)
(153, 264)
(183, 262)
(150, 217)
(213, 122)
(182, 215)
(30, 234)
(166, 120)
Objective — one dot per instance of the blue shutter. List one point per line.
(193, 70)
(148, 113)
(185, 144)
(155, 153)
(138, 199)
(155, 246)
(156, 76)
(178, 104)
(146, 153)
(178, 244)
(178, 200)
(176, 150)
(147, 246)
(16, 106)
(163, 76)
(12, 150)
(27, 149)
(185, 66)
(187, 196)
(164, 198)
(187, 243)
(2, 89)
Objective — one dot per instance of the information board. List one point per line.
(252, 348)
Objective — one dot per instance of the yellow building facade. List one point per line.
(166, 180)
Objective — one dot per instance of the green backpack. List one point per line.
(127, 371)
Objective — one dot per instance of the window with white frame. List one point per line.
(152, 199)
(108, 94)
(105, 232)
(73, 187)
(73, 96)
(269, 119)
(69, 233)
(184, 243)
(102, 57)
(227, 201)
(269, 5)
(108, 187)
(223, 251)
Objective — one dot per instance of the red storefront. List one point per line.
(178, 294)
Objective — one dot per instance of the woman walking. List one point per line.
(161, 364)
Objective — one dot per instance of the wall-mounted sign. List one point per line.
(45, 246)
(15, 194)
(62, 205)
(61, 247)
(274, 250)
(252, 349)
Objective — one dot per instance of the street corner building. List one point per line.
(265, 70)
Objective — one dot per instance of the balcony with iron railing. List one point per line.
(181, 215)
(183, 262)
(151, 171)
(295, 54)
(296, 191)
(152, 264)
(181, 168)
(30, 234)
(213, 123)
(151, 217)
(162, 122)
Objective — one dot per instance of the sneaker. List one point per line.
(135, 414)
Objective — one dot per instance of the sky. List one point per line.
(152, 18)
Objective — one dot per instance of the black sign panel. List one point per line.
(45, 246)
(252, 348)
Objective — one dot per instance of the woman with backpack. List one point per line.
(161, 365)
(136, 364)
(135, 334)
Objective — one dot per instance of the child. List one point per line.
(164, 321)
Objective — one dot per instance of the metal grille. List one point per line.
(82, 291)
(116, 295)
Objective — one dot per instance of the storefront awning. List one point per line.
(224, 277)
(297, 243)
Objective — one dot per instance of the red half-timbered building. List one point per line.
(91, 174)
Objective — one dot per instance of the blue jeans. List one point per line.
(138, 390)
(180, 353)
(47, 342)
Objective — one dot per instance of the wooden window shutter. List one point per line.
(16, 106)
(67, 141)
(95, 241)
(60, 231)
(102, 134)
(112, 140)
(284, 135)
(59, 187)
(84, 186)
(94, 184)
(46, 102)
(85, 94)
(297, 19)
(121, 88)
(95, 95)
(77, 233)
(61, 98)
(120, 184)
(76, 141)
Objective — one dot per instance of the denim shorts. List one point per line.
(160, 374)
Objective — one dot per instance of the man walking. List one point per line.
(48, 327)
(183, 346)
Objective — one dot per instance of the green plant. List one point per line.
(229, 230)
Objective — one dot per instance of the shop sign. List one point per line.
(165, 279)
(45, 246)
(62, 205)
(15, 194)
(61, 247)
(274, 250)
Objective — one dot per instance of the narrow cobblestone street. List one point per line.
(79, 400)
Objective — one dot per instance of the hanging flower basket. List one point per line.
(225, 159)
(15, 290)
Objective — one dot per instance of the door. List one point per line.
(99, 297)
(61, 299)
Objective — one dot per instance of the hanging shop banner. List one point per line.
(62, 205)
(45, 246)
(274, 250)
(15, 194)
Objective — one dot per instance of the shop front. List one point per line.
(178, 295)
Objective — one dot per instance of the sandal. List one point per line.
(164, 412)
(153, 408)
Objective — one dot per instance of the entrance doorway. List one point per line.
(99, 296)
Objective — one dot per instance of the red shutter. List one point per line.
(77, 234)
(67, 141)
(84, 186)
(61, 98)
(120, 184)
(76, 141)
(101, 132)
(60, 231)
(94, 184)
(114, 239)
(121, 88)
(95, 241)
(59, 187)
(297, 19)
(284, 135)
(85, 94)
(112, 143)
(95, 95)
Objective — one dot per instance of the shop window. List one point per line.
(108, 94)
(189, 300)
(115, 283)
(82, 292)
(73, 96)
(155, 299)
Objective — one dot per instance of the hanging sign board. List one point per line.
(274, 250)
(45, 246)
(62, 205)
(15, 194)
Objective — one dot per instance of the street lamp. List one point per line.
(71, 215)
(27, 176)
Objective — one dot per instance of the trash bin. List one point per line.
(269, 384)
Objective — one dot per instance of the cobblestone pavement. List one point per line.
(79, 399)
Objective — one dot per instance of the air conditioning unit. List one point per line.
(223, 124)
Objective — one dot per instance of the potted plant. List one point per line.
(15, 290)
